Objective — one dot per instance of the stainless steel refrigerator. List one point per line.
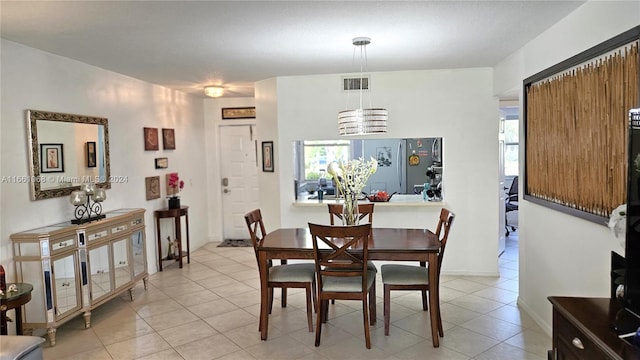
(402, 163)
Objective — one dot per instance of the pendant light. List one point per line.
(362, 121)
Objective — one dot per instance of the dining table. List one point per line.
(387, 244)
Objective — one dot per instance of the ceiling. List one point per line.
(185, 45)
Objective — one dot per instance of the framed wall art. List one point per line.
(168, 139)
(152, 187)
(239, 113)
(267, 156)
(91, 153)
(162, 163)
(51, 158)
(151, 139)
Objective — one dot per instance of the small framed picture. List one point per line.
(239, 113)
(267, 156)
(168, 139)
(151, 139)
(162, 163)
(51, 158)
(152, 187)
(91, 153)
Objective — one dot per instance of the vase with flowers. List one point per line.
(618, 223)
(175, 185)
(350, 178)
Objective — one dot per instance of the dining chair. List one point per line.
(341, 271)
(411, 277)
(364, 211)
(511, 204)
(286, 275)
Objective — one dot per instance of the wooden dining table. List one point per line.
(388, 244)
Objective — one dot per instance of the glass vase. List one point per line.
(350, 209)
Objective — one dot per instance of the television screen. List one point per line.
(632, 247)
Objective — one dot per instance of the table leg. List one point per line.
(3, 322)
(186, 218)
(434, 304)
(159, 243)
(179, 238)
(19, 320)
(264, 294)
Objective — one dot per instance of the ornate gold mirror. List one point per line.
(66, 150)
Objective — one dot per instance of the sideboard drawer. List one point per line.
(572, 343)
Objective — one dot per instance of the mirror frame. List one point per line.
(34, 151)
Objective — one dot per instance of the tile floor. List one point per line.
(209, 310)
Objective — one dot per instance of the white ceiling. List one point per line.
(186, 45)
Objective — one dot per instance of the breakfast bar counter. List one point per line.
(396, 200)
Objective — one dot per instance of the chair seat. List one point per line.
(347, 284)
(393, 274)
(292, 273)
(511, 207)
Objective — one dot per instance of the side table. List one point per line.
(176, 214)
(14, 300)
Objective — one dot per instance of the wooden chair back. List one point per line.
(256, 228)
(341, 251)
(364, 211)
(444, 226)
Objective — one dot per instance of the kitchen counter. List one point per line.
(396, 200)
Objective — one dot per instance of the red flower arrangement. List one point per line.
(176, 184)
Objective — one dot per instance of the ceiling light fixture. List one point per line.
(214, 91)
(362, 121)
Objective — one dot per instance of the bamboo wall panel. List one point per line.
(576, 133)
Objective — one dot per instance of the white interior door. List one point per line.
(501, 188)
(239, 178)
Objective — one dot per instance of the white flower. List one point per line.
(618, 221)
(351, 177)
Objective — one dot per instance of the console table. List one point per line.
(582, 330)
(14, 300)
(76, 268)
(176, 214)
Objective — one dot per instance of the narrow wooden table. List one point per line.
(385, 244)
(176, 214)
(14, 300)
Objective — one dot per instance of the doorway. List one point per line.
(239, 178)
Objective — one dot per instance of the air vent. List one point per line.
(351, 84)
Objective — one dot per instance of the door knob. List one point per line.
(226, 191)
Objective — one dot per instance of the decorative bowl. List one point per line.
(380, 197)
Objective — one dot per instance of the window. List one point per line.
(511, 140)
(318, 154)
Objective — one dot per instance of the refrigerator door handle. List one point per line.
(399, 165)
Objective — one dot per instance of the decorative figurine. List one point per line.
(169, 252)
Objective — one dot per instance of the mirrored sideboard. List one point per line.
(76, 268)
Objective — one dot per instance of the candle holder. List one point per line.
(88, 202)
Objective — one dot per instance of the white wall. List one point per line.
(561, 254)
(455, 104)
(32, 79)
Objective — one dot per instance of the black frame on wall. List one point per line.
(583, 57)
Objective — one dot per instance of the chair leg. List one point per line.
(270, 299)
(372, 304)
(313, 296)
(387, 308)
(309, 310)
(425, 301)
(284, 297)
(319, 318)
(325, 310)
(365, 314)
